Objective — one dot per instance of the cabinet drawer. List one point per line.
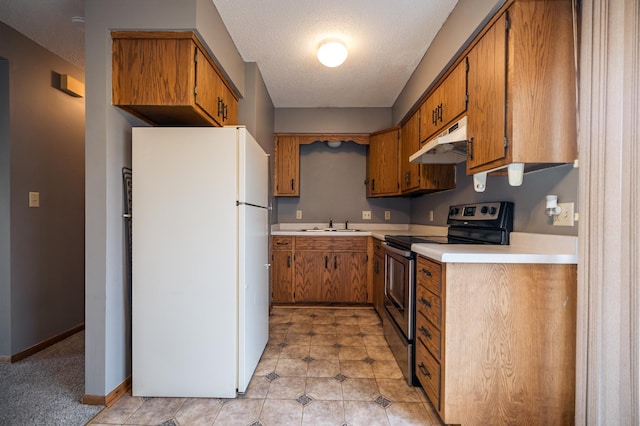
(428, 372)
(282, 243)
(429, 305)
(428, 274)
(429, 335)
(332, 243)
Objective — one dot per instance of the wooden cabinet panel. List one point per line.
(167, 78)
(282, 277)
(286, 166)
(309, 275)
(486, 125)
(331, 269)
(453, 95)
(410, 172)
(447, 102)
(428, 275)
(378, 277)
(429, 374)
(384, 163)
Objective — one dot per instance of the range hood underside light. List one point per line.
(449, 147)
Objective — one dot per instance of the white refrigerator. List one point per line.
(200, 287)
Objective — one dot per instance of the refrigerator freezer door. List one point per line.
(253, 300)
(253, 185)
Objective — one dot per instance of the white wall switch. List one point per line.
(366, 214)
(34, 199)
(387, 215)
(298, 214)
(565, 218)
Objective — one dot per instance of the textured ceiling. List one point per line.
(48, 23)
(386, 41)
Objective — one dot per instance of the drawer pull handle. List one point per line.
(425, 302)
(424, 370)
(425, 333)
(426, 272)
(282, 243)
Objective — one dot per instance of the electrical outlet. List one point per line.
(430, 215)
(298, 214)
(366, 214)
(566, 216)
(387, 215)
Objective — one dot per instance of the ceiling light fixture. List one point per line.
(332, 53)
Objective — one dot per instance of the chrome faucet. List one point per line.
(346, 224)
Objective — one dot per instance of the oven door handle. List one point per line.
(403, 253)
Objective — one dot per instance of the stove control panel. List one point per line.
(478, 211)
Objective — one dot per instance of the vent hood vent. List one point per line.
(449, 147)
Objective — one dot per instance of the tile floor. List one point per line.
(322, 366)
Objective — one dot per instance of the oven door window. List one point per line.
(396, 282)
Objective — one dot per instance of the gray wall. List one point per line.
(332, 186)
(529, 199)
(332, 180)
(108, 149)
(45, 145)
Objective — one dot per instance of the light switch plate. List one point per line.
(34, 199)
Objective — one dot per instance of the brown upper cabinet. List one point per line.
(286, 167)
(168, 78)
(384, 163)
(445, 104)
(522, 88)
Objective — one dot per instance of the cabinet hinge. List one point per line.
(367, 258)
(195, 90)
(507, 22)
(506, 143)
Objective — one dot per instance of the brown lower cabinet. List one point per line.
(495, 343)
(320, 270)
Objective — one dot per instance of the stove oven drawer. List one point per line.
(428, 274)
(429, 305)
(428, 373)
(428, 335)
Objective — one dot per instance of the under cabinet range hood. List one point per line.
(449, 147)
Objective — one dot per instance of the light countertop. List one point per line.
(523, 247)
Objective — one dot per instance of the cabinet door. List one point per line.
(384, 160)
(356, 283)
(282, 276)
(453, 95)
(378, 283)
(309, 275)
(429, 110)
(151, 71)
(410, 172)
(487, 98)
(286, 166)
(207, 87)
